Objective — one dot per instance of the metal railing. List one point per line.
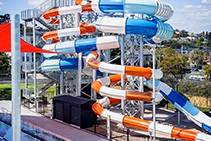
(29, 14)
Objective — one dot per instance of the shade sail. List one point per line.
(5, 41)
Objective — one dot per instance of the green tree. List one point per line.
(5, 67)
(4, 18)
(173, 63)
(207, 71)
(184, 33)
(196, 58)
(199, 42)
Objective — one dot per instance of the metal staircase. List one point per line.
(45, 87)
(51, 76)
(36, 13)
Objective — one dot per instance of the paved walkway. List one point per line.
(53, 127)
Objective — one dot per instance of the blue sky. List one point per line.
(191, 15)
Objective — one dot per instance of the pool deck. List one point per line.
(56, 128)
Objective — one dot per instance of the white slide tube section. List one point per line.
(104, 81)
(90, 56)
(115, 117)
(51, 65)
(68, 32)
(66, 47)
(70, 9)
(158, 74)
(114, 93)
(104, 101)
(202, 137)
(162, 129)
(107, 42)
(50, 47)
(116, 26)
(111, 68)
(95, 6)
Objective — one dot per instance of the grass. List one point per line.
(50, 91)
(204, 110)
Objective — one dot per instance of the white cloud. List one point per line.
(193, 18)
(188, 6)
(35, 2)
(206, 1)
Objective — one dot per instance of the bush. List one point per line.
(170, 80)
(195, 88)
(5, 93)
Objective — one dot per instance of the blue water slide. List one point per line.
(162, 10)
(161, 30)
(110, 6)
(61, 64)
(141, 27)
(150, 28)
(85, 45)
(70, 47)
(67, 64)
(182, 104)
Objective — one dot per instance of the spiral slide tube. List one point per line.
(157, 30)
(85, 45)
(92, 61)
(182, 104)
(158, 9)
(76, 46)
(81, 6)
(145, 125)
(112, 96)
(154, 29)
(84, 28)
(99, 87)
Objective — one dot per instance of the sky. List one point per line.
(191, 15)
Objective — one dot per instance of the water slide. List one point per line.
(155, 29)
(182, 104)
(112, 96)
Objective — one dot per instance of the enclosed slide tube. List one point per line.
(92, 61)
(155, 8)
(145, 125)
(156, 30)
(85, 45)
(182, 104)
(161, 10)
(84, 28)
(49, 15)
(112, 96)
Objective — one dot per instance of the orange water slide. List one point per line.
(84, 28)
(81, 6)
(117, 69)
(112, 96)
(145, 125)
